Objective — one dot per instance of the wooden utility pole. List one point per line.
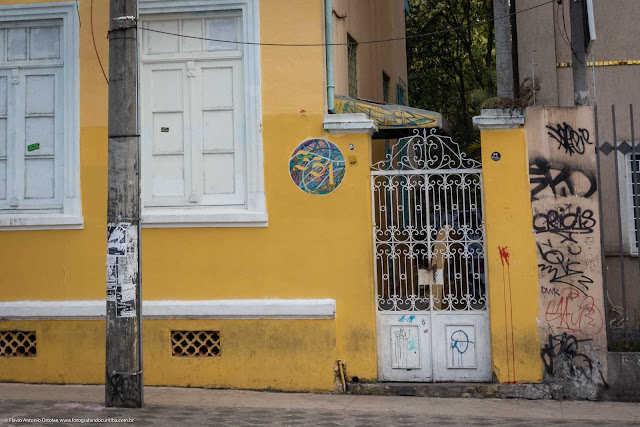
(124, 318)
(504, 61)
(579, 52)
(514, 48)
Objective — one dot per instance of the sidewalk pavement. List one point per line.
(167, 406)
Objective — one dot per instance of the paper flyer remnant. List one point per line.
(122, 267)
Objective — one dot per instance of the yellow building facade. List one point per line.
(311, 251)
(257, 256)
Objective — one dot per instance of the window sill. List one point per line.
(11, 222)
(179, 218)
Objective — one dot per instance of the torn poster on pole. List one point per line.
(112, 277)
(122, 267)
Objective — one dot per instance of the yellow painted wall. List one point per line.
(286, 354)
(513, 287)
(314, 246)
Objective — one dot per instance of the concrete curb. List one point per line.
(461, 390)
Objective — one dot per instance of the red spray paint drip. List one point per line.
(504, 255)
(504, 259)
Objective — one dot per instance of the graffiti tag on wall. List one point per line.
(572, 141)
(563, 187)
(562, 180)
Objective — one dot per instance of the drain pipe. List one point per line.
(341, 369)
(328, 30)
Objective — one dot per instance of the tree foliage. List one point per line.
(447, 68)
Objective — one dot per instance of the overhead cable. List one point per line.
(393, 39)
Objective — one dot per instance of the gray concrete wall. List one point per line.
(624, 377)
(617, 30)
(566, 220)
(615, 306)
(618, 39)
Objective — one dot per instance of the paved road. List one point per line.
(196, 407)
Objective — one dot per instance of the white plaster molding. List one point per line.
(349, 123)
(185, 217)
(500, 119)
(12, 222)
(168, 309)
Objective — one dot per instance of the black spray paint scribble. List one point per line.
(123, 389)
(562, 269)
(565, 222)
(562, 179)
(573, 141)
(566, 348)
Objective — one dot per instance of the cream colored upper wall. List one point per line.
(617, 35)
(370, 20)
(535, 31)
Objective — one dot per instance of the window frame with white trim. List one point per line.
(197, 194)
(45, 196)
(630, 193)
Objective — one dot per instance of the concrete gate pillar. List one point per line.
(511, 249)
(566, 225)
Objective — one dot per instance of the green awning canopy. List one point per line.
(394, 121)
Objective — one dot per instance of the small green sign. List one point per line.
(33, 147)
(164, 129)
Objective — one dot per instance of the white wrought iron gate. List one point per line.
(432, 303)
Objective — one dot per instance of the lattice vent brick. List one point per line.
(195, 343)
(17, 343)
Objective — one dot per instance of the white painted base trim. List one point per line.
(10, 222)
(167, 309)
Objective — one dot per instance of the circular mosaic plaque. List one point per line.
(317, 166)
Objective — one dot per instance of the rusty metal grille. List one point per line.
(618, 182)
(17, 343)
(195, 343)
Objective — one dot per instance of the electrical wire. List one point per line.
(563, 35)
(95, 48)
(567, 40)
(447, 30)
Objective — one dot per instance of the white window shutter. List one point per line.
(4, 81)
(192, 133)
(38, 139)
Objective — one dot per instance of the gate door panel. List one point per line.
(432, 308)
(404, 341)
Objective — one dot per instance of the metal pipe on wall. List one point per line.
(620, 241)
(602, 251)
(328, 29)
